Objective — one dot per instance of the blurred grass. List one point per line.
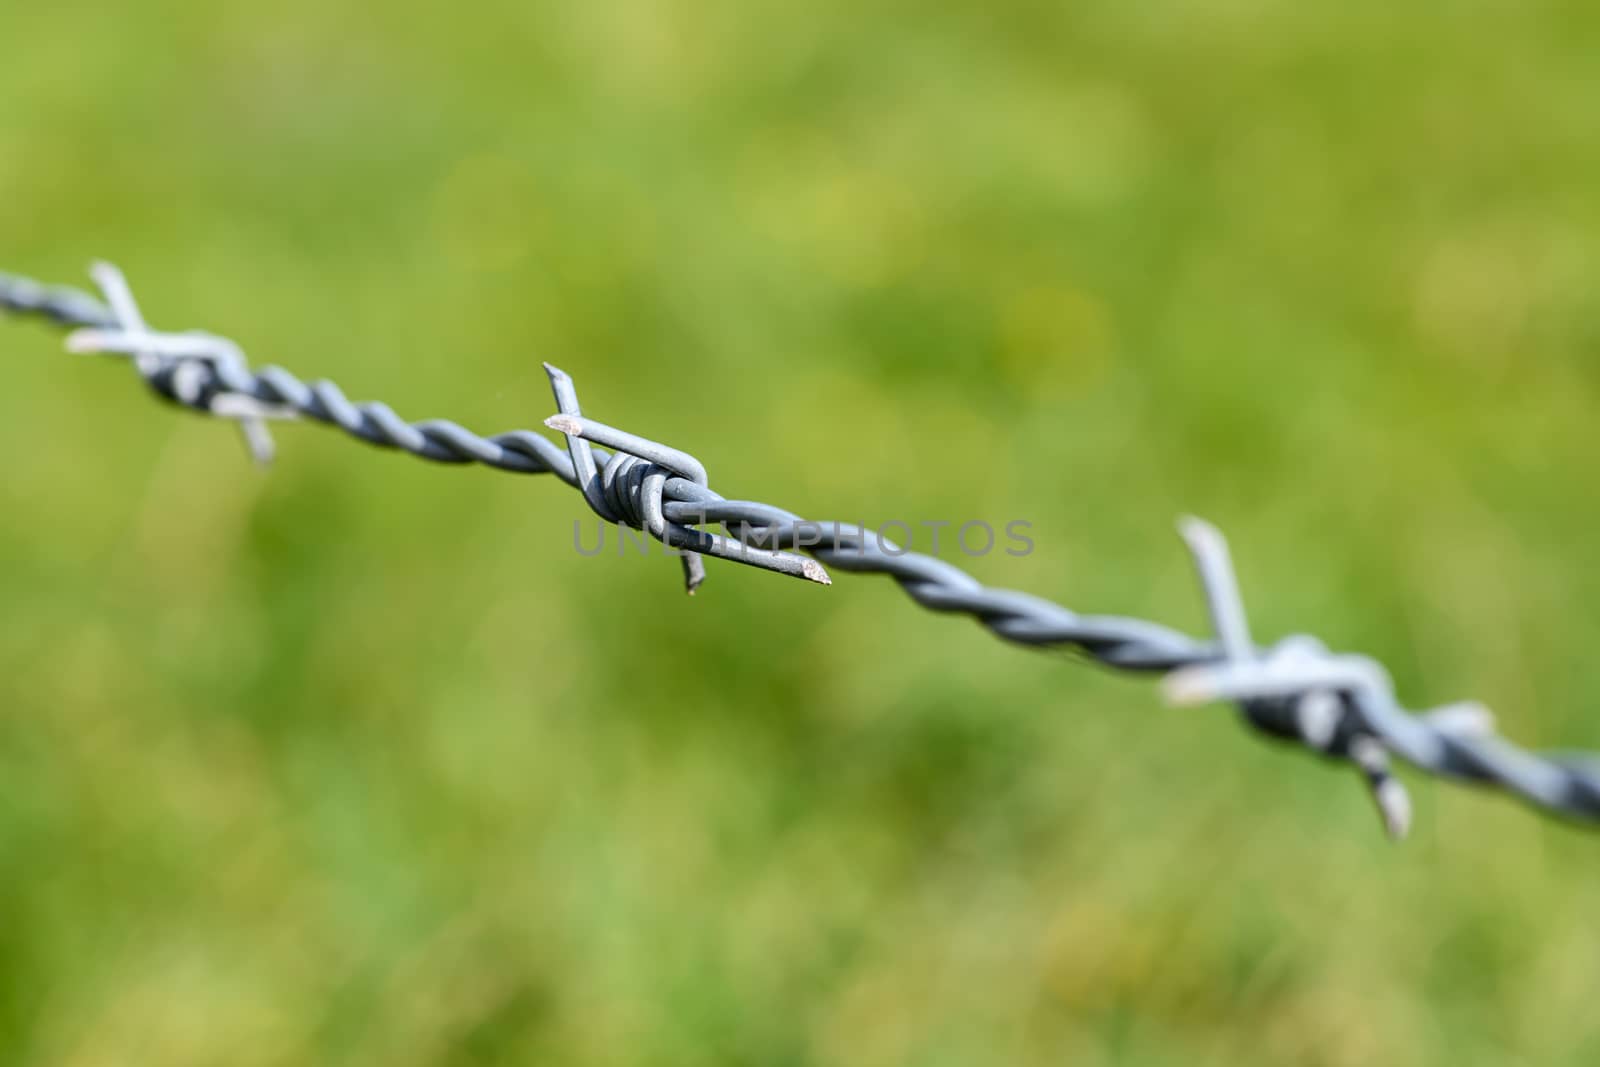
(357, 762)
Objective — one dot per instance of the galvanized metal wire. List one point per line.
(1342, 707)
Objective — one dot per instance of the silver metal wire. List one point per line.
(1342, 707)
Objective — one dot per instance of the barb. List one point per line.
(1339, 706)
(187, 354)
(1300, 673)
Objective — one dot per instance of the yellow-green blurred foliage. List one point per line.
(356, 761)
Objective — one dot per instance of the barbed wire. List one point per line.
(1342, 707)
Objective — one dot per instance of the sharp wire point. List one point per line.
(258, 441)
(1189, 686)
(1388, 792)
(694, 572)
(1466, 719)
(1394, 802)
(816, 572)
(84, 342)
(1217, 579)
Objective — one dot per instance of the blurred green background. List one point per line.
(355, 761)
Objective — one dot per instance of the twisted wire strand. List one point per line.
(1340, 706)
